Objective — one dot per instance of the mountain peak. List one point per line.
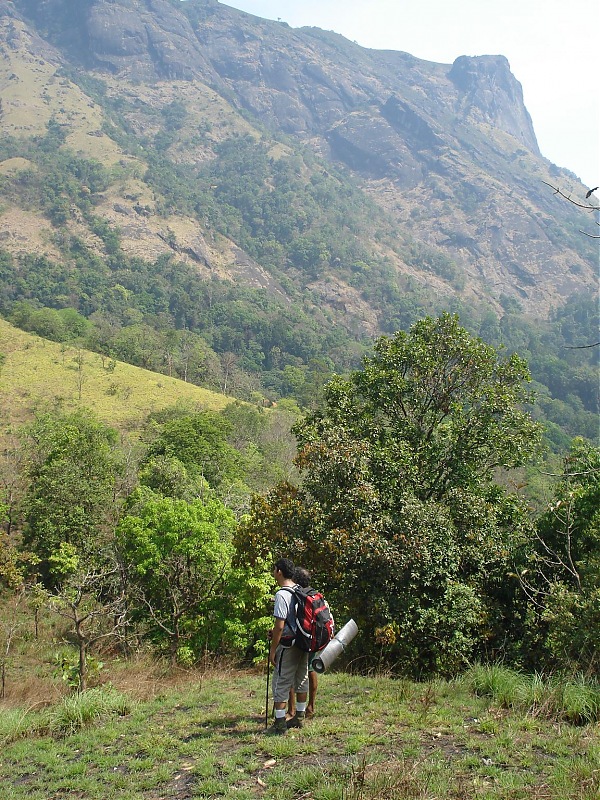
(489, 91)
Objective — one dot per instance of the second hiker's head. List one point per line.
(302, 577)
(284, 567)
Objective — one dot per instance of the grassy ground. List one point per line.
(371, 738)
(38, 373)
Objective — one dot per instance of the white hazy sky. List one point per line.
(552, 46)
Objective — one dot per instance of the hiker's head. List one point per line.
(302, 577)
(285, 566)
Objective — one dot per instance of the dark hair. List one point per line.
(302, 576)
(285, 565)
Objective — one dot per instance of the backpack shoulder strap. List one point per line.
(292, 591)
(291, 616)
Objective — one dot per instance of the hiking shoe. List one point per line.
(297, 721)
(278, 727)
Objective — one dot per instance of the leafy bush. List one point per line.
(183, 587)
(559, 573)
(67, 668)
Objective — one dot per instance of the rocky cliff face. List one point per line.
(141, 40)
(489, 92)
(299, 80)
(448, 151)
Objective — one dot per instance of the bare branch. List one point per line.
(570, 474)
(586, 206)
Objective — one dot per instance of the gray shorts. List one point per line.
(291, 671)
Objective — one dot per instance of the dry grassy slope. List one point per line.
(38, 374)
(33, 91)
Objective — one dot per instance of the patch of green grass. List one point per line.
(65, 718)
(575, 700)
(580, 701)
(370, 740)
(78, 710)
(14, 723)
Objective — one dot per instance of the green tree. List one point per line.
(178, 560)
(561, 575)
(199, 442)
(73, 469)
(398, 513)
(167, 476)
(73, 466)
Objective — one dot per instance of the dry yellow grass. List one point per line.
(12, 166)
(38, 374)
(34, 91)
(23, 232)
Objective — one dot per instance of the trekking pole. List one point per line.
(267, 697)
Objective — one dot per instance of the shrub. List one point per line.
(78, 710)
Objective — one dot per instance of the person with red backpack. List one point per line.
(291, 663)
(302, 578)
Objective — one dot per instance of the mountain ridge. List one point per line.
(356, 188)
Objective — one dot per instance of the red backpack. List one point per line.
(314, 623)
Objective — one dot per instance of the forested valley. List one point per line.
(164, 316)
(399, 490)
(399, 317)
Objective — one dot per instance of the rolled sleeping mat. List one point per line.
(335, 648)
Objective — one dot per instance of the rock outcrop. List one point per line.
(302, 81)
(489, 91)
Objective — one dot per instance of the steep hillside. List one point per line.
(448, 151)
(276, 196)
(39, 375)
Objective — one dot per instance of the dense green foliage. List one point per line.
(398, 512)
(177, 555)
(135, 541)
(73, 473)
(181, 583)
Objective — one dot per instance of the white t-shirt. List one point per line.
(283, 608)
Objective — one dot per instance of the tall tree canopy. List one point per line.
(561, 575)
(199, 442)
(73, 468)
(398, 513)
